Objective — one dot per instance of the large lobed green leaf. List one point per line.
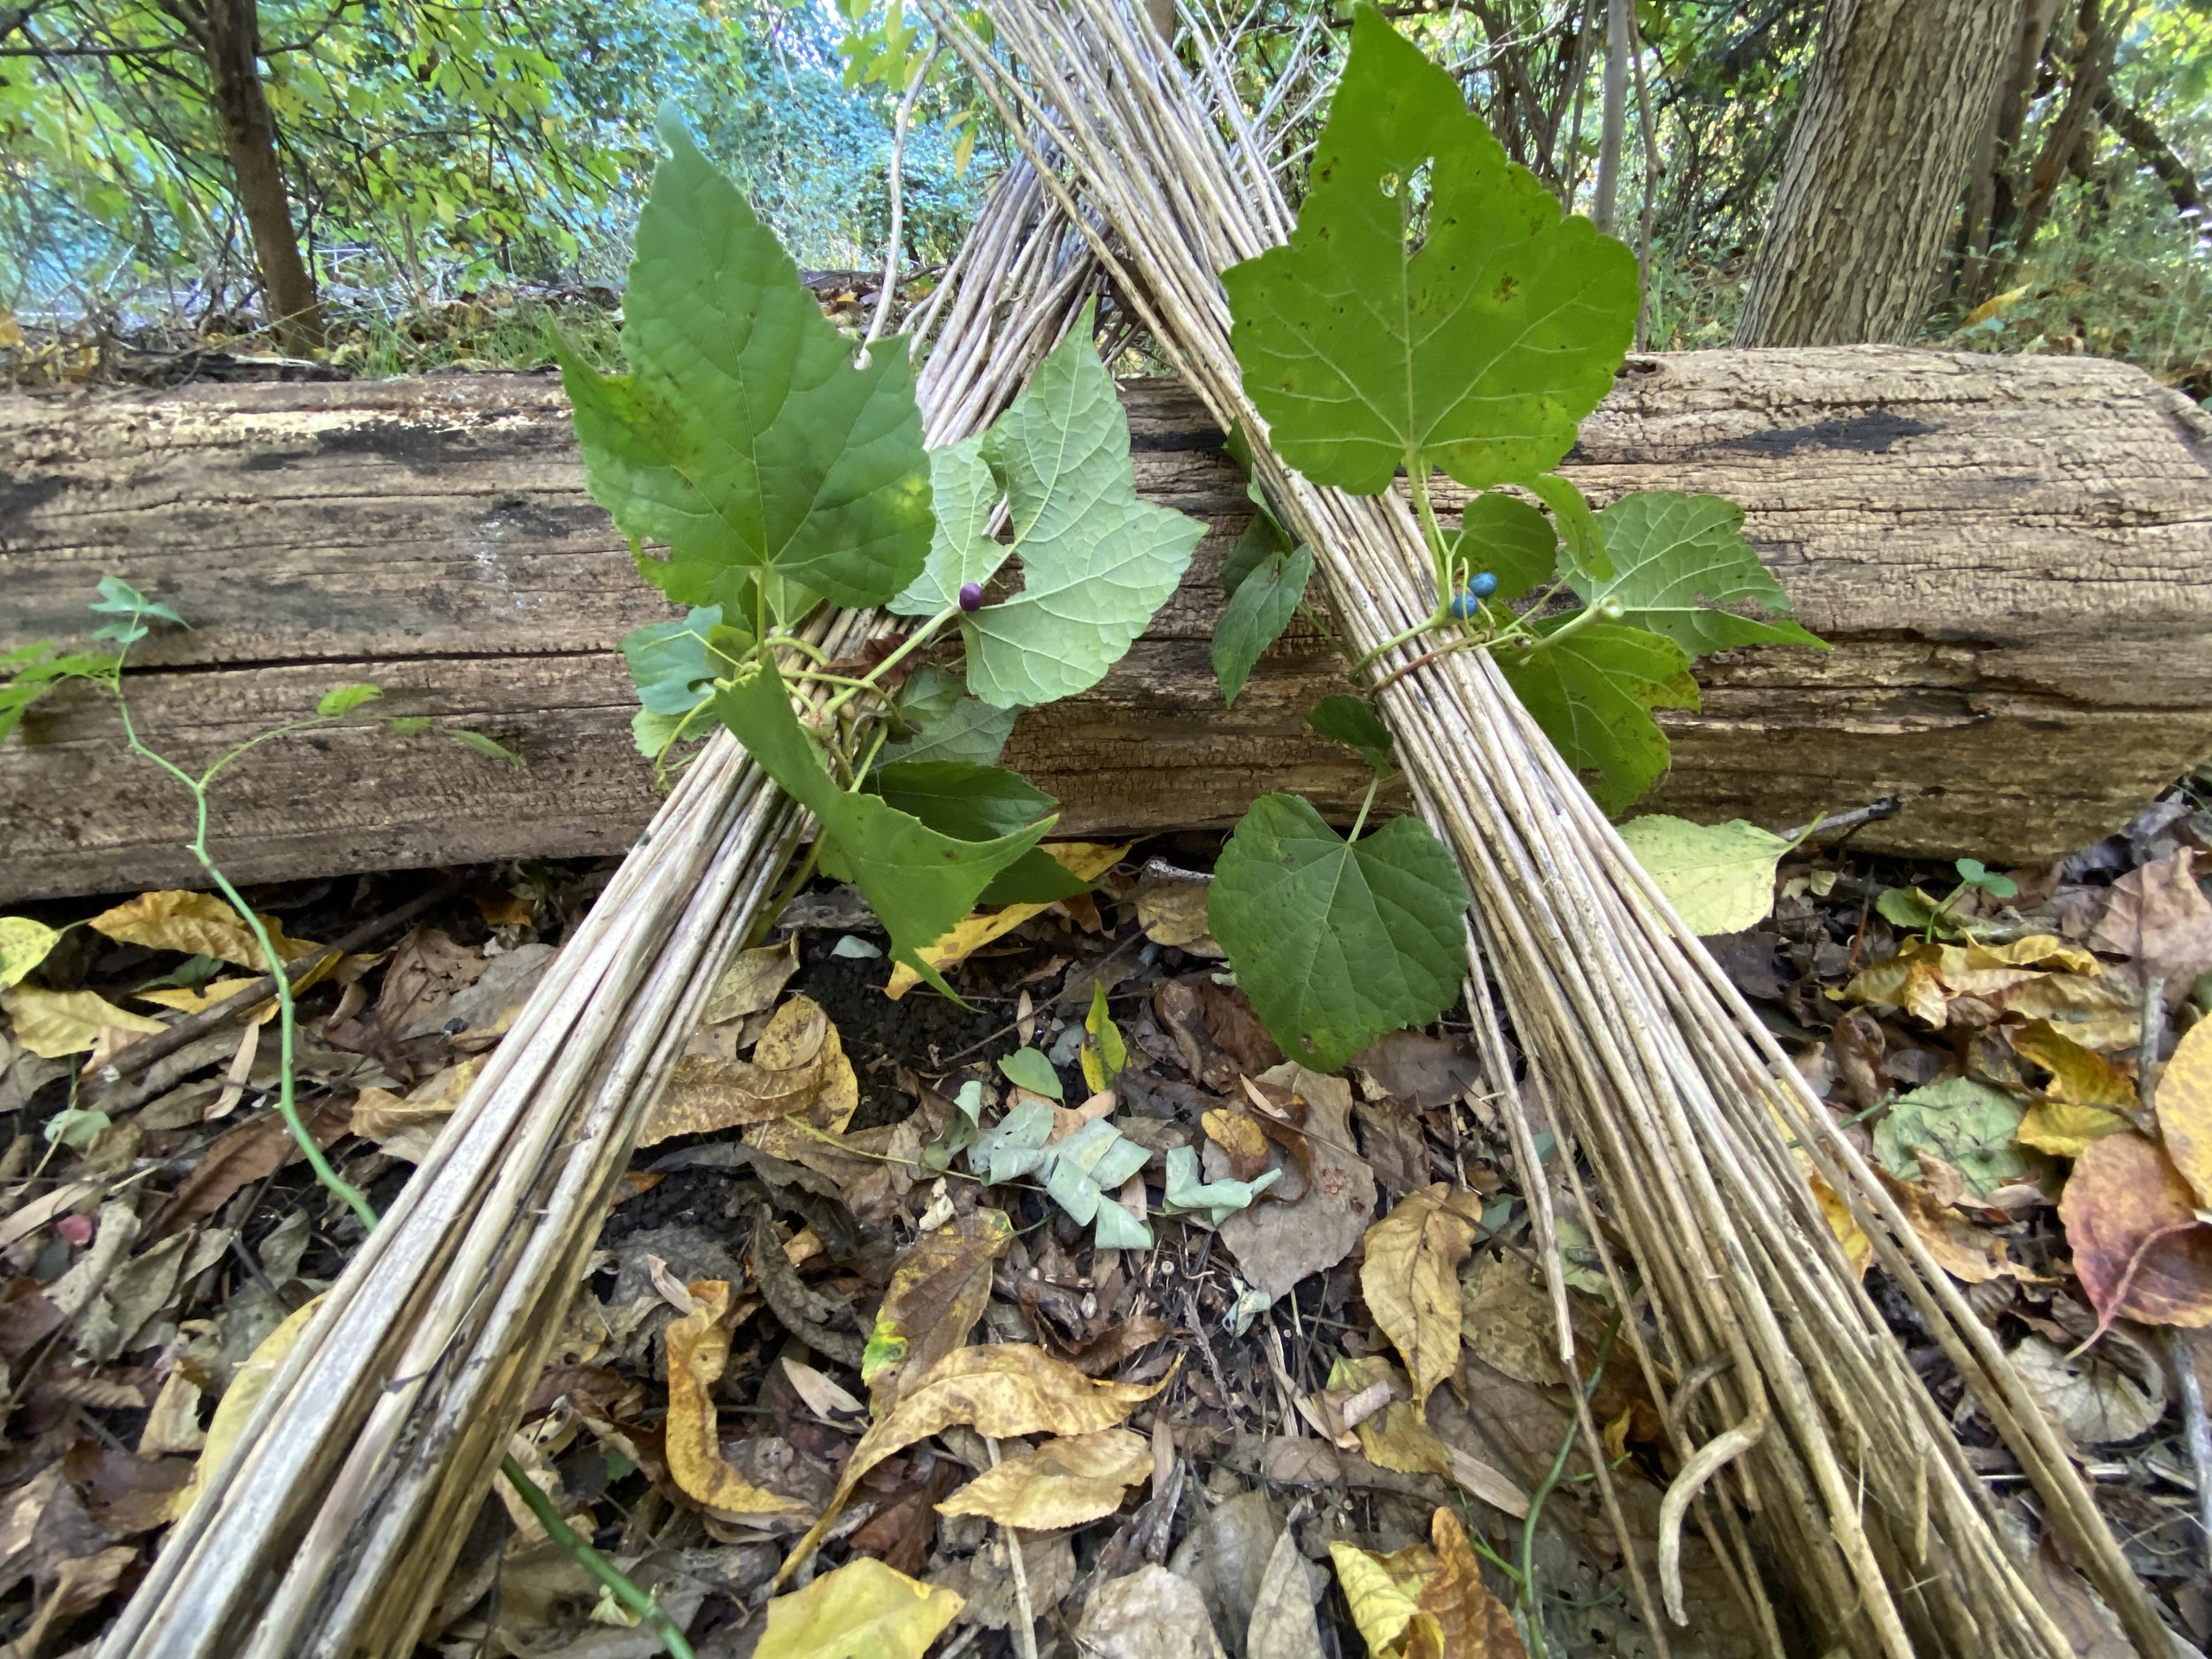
(919, 881)
(1479, 351)
(745, 437)
(1593, 693)
(1095, 561)
(1337, 942)
(1681, 567)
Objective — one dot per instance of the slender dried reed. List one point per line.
(331, 1529)
(1805, 1442)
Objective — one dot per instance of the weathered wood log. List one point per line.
(2013, 557)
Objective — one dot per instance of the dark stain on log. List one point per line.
(1876, 432)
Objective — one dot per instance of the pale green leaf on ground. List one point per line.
(1015, 1145)
(23, 946)
(1970, 1125)
(919, 881)
(745, 437)
(1336, 944)
(1353, 721)
(1681, 567)
(1510, 539)
(1217, 1201)
(1092, 1162)
(1096, 562)
(863, 1610)
(1718, 877)
(1483, 349)
(1029, 1068)
(1256, 616)
(1593, 693)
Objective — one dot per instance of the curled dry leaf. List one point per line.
(2185, 1110)
(2139, 1248)
(2038, 978)
(938, 1291)
(698, 1349)
(53, 1024)
(1384, 1593)
(754, 981)
(798, 1067)
(1396, 1436)
(1316, 1226)
(2079, 1076)
(2110, 1392)
(197, 925)
(999, 1392)
(1065, 1482)
(863, 1610)
(1241, 1141)
(1423, 1603)
(2158, 916)
(1971, 1255)
(1472, 1623)
(1411, 1280)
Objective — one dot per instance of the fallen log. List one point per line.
(2013, 557)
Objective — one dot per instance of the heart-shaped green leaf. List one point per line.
(1718, 877)
(1514, 541)
(1593, 693)
(1681, 567)
(1337, 942)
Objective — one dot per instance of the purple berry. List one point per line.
(972, 595)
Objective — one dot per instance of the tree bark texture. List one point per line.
(2096, 37)
(232, 44)
(2013, 557)
(1993, 188)
(1900, 96)
(1620, 27)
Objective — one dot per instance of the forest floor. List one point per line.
(813, 1219)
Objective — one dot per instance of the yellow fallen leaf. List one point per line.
(248, 1384)
(2079, 1076)
(1001, 1392)
(1088, 860)
(2065, 1130)
(2184, 1109)
(2096, 1012)
(698, 1349)
(1997, 304)
(863, 1610)
(938, 1292)
(754, 981)
(52, 1024)
(1470, 1622)
(1062, 1483)
(1173, 911)
(23, 946)
(11, 333)
(1410, 1281)
(197, 924)
(798, 1068)
(1384, 1594)
(408, 1126)
(1397, 1437)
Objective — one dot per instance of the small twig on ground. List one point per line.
(1873, 812)
(1026, 1615)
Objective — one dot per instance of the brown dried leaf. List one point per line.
(1410, 1281)
(1971, 1255)
(1397, 1437)
(754, 981)
(2139, 1248)
(938, 1291)
(1173, 911)
(698, 1349)
(251, 1151)
(999, 1392)
(1068, 1482)
(798, 1068)
(2184, 1109)
(2159, 916)
(1472, 1623)
(1391, 1138)
(1241, 1141)
(1428, 1072)
(1321, 1215)
(1507, 1319)
(1236, 1030)
(197, 924)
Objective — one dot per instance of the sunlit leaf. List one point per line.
(1718, 877)
(1682, 568)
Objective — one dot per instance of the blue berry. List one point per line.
(1466, 605)
(1484, 584)
(972, 595)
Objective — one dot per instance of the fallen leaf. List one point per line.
(863, 1610)
(2184, 1109)
(1970, 1125)
(81, 1583)
(2159, 916)
(197, 925)
(2064, 1131)
(250, 1152)
(1147, 1614)
(1241, 1141)
(1396, 1437)
(1384, 1593)
(1086, 860)
(820, 1394)
(1719, 877)
(754, 981)
(1283, 1626)
(1172, 911)
(1224, 1555)
(1390, 1136)
(1410, 1281)
(232, 1411)
(1507, 1319)
(798, 1067)
(1317, 1221)
(1027, 1068)
(2139, 1248)
(1067, 1482)
(1472, 1623)
(1971, 1255)
(1001, 1392)
(23, 946)
(407, 1127)
(2079, 1076)
(698, 1349)
(938, 1292)
(1427, 1072)
(2092, 1395)
(51, 1024)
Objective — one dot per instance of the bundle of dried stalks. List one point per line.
(331, 1528)
(1807, 1442)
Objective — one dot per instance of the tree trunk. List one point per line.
(2096, 37)
(1993, 190)
(1900, 92)
(1619, 30)
(231, 42)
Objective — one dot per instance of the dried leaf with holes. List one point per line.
(863, 1610)
(1411, 1280)
(197, 924)
(1067, 1482)
(698, 1349)
(2139, 1248)
(999, 1392)
(798, 1068)
(938, 1291)
(754, 981)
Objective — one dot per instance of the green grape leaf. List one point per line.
(1217, 1201)
(1481, 351)
(964, 495)
(1036, 877)
(1718, 877)
(1354, 721)
(1681, 567)
(745, 439)
(919, 881)
(1029, 1069)
(957, 798)
(1512, 540)
(1096, 562)
(669, 663)
(1593, 693)
(31, 670)
(1262, 540)
(1256, 615)
(1967, 1123)
(1338, 943)
(947, 723)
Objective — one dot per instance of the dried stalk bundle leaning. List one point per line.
(331, 1529)
(1805, 1442)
